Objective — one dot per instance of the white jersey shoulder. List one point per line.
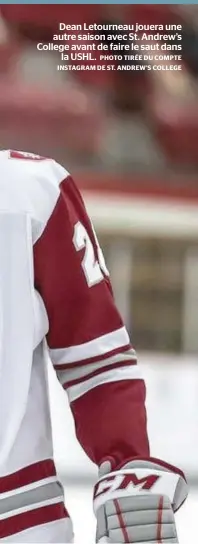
(30, 184)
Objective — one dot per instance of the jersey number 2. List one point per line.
(93, 269)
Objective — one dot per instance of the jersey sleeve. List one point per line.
(88, 343)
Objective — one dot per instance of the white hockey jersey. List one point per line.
(54, 285)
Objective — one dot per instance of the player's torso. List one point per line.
(28, 192)
(31, 499)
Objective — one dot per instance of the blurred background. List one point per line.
(130, 141)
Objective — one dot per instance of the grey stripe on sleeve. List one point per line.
(76, 373)
(30, 498)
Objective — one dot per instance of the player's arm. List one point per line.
(89, 346)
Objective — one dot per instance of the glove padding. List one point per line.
(136, 504)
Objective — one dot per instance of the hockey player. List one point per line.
(56, 296)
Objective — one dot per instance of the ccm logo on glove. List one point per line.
(143, 481)
(124, 481)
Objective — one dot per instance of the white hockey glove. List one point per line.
(136, 503)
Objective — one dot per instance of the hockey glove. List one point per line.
(136, 503)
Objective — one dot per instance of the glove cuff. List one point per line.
(141, 477)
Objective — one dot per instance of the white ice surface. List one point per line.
(79, 503)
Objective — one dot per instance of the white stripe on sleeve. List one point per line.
(124, 373)
(99, 346)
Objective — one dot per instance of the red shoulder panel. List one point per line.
(27, 156)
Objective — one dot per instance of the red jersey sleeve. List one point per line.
(88, 343)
